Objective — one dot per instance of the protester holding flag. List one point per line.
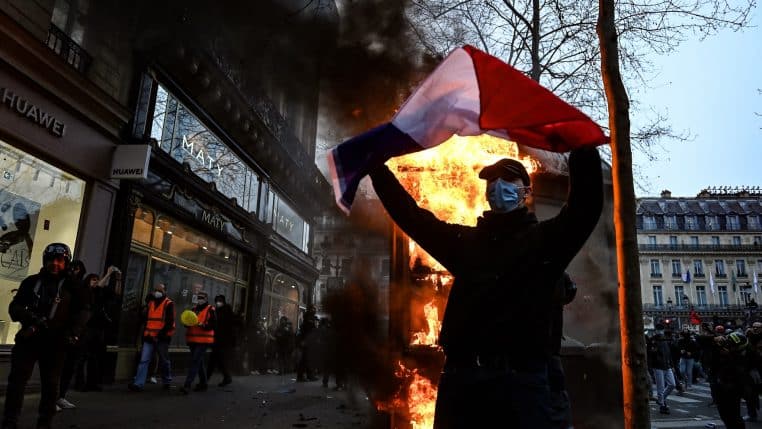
(507, 266)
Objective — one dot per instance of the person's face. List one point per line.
(521, 190)
(160, 288)
(756, 327)
(93, 281)
(56, 265)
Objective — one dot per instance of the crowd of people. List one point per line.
(729, 358)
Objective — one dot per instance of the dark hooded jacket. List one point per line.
(506, 267)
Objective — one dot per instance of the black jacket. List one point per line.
(224, 332)
(506, 267)
(30, 307)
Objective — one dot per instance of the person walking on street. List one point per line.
(53, 311)
(493, 372)
(158, 332)
(662, 365)
(689, 349)
(199, 337)
(224, 340)
(74, 351)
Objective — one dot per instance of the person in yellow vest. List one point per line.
(199, 337)
(159, 328)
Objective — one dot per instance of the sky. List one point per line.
(710, 90)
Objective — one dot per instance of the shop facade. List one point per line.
(57, 136)
(207, 217)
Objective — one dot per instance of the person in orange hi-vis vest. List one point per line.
(199, 338)
(158, 332)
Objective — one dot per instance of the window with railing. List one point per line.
(649, 222)
(658, 297)
(741, 268)
(67, 32)
(673, 241)
(680, 296)
(655, 268)
(694, 240)
(700, 295)
(670, 222)
(733, 223)
(652, 240)
(677, 269)
(715, 240)
(698, 268)
(722, 293)
(691, 223)
(736, 240)
(758, 240)
(712, 223)
(719, 268)
(753, 222)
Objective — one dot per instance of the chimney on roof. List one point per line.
(666, 194)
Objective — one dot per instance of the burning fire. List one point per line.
(445, 180)
(429, 337)
(418, 400)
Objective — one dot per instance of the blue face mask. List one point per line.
(502, 196)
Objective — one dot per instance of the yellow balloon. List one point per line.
(189, 318)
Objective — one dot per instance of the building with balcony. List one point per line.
(702, 253)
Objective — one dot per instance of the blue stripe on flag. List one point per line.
(358, 156)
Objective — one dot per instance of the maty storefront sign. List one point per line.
(131, 161)
(32, 112)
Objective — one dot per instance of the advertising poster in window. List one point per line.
(18, 221)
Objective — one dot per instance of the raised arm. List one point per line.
(432, 234)
(577, 219)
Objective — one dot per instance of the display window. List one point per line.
(281, 298)
(39, 204)
(187, 261)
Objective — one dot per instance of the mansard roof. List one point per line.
(699, 206)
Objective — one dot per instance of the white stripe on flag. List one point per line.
(446, 103)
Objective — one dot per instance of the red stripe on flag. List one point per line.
(532, 115)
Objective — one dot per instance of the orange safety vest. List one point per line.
(195, 334)
(155, 321)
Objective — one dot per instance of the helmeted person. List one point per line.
(53, 311)
(505, 271)
(199, 337)
(159, 329)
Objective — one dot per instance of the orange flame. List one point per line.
(429, 337)
(417, 401)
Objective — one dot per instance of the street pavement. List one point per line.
(691, 410)
(257, 401)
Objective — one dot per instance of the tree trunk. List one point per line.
(634, 379)
(536, 66)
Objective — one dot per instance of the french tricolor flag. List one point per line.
(469, 93)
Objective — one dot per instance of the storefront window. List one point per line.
(180, 134)
(186, 261)
(281, 298)
(39, 204)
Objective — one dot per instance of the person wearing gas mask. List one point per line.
(53, 312)
(158, 332)
(505, 272)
